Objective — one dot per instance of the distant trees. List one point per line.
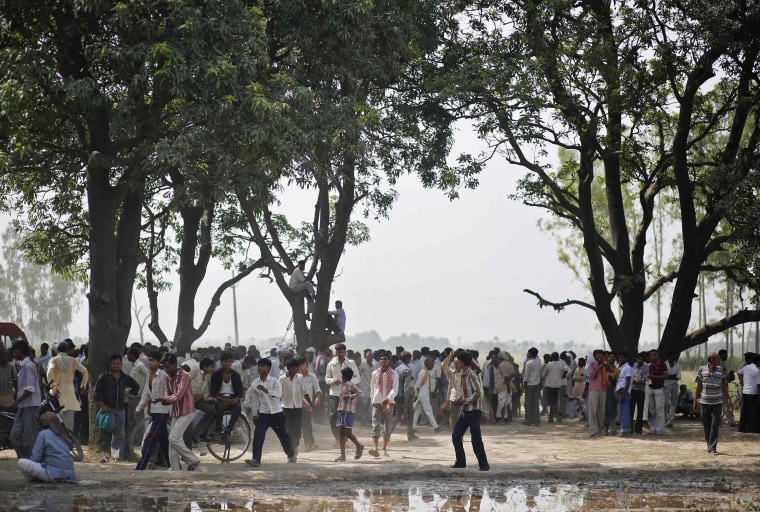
(32, 296)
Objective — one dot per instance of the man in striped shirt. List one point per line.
(470, 415)
(158, 433)
(712, 390)
(179, 394)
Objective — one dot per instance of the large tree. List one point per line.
(98, 101)
(360, 128)
(648, 97)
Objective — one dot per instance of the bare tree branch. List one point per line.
(559, 306)
(700, 335)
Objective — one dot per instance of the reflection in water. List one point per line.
(415, 498)
(562, 498)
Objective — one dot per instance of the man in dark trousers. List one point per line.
(470, 415)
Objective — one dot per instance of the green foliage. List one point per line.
(178, 83)
(624, 93)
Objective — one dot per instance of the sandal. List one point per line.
(359, 452)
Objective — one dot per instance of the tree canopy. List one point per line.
(648, 98)
(99, 103)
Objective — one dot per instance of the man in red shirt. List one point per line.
(179, 389)
(597, 392)
(658, 372)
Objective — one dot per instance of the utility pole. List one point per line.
(234, 311)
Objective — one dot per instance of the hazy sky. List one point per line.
(453, 269)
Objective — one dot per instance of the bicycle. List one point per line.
(736, 399)
(233, 443)
(224, 447)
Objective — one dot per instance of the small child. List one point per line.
(346, 411)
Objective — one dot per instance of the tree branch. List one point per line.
(559, 306)
(700, 335)
(216, 298)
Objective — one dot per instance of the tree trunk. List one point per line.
(196, 239)
(113, 264)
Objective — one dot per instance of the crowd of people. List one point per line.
(289, 393)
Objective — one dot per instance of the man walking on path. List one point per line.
(179, 389)
(469, 418)
(383, 389)
(264, 400)
(712, 391)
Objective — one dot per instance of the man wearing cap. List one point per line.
(298, 284)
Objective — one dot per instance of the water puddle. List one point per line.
(495, 498)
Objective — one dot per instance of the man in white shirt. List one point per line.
(139, 371)
(274, 359)
(298, 285)
(364, 403)
(292, 401)
(424, 389)
(532, 382)
(671, 388)
(555, 373)
(248, 366)
(263, 399)
(623, 392)
(334, 379)
(749, 377)
(312, 398)
(60, 375)
(383, 388)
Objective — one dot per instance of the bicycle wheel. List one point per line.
(134, 446)
(238, 441)
(75, 448)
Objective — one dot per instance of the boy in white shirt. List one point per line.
(263, 399)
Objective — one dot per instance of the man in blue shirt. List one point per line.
(27, 401)
(51, 459)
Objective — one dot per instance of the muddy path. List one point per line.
(553, 467)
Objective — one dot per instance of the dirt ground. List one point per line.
(552, 467)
